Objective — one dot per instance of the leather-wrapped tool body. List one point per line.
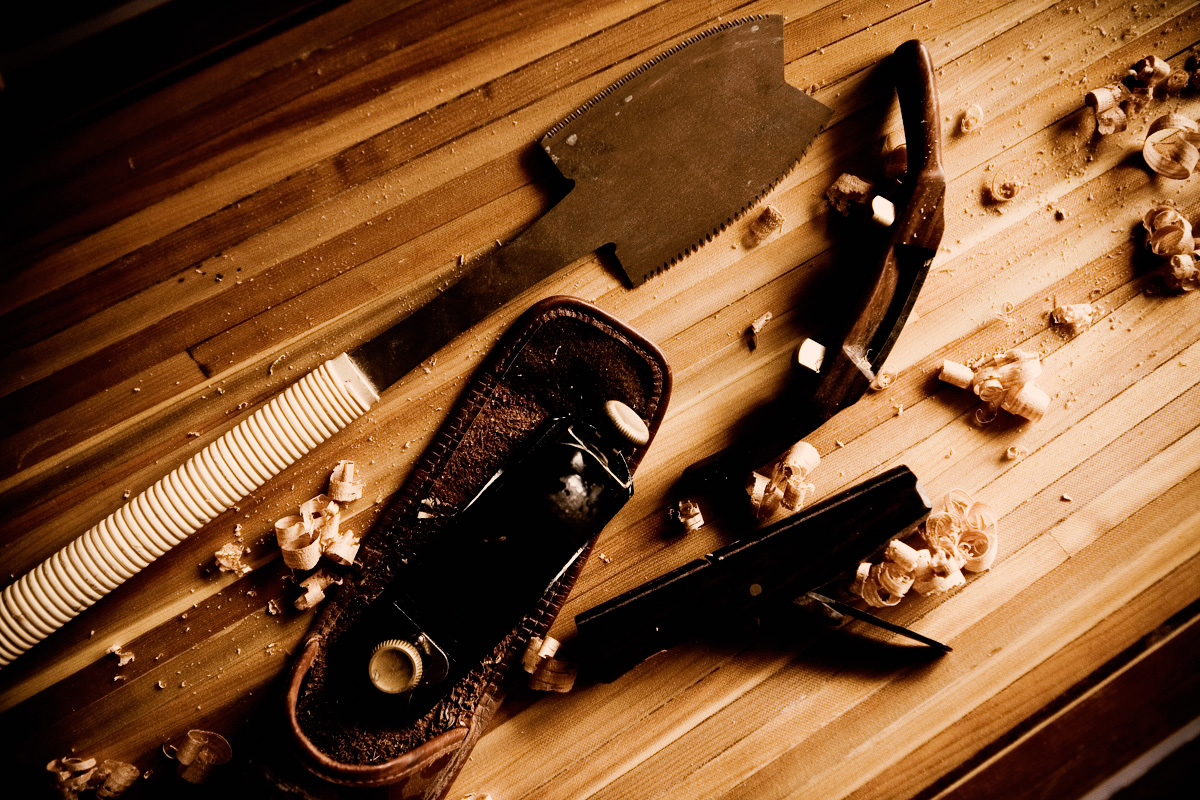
(562, 359)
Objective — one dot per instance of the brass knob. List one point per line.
(395, 666)
(628, 424)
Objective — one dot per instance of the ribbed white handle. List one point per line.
(307, 413)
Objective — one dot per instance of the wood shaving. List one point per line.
(960, 534)
(1169, 235)
(1148, 75)
(1005, 381)
(314, 588)
(1182, 274)
(229, 559)
(765, 224)
(107, 780)
(123, 656)
(1172, 147)
(1014, 452)
(553, 675)
(1076, 317)
(537, 651)
(756, 327)
(882, 381)
(198, 753)
(344, 483)
(971, 119)
(1004, 187)
(687, 514)
(781, 485)
(303, 538)
(1168, 232)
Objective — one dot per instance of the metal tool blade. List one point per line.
(871, 619)
(661, 161)
(676, 151)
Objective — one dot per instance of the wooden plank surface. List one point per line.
(176, 263)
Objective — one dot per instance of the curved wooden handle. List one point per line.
(122, 544)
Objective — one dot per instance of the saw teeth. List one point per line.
(724, 26)
(678, 257)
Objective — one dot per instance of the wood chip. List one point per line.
(971, 119)
(756, 327)
(123, 656)
(229, 558)
(765, 224)
(849, 191)
(1076, 317)
(687, 514)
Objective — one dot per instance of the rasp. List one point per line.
(660, 162)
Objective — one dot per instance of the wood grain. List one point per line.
(174, 264)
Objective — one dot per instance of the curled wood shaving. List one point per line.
(849, 191)
(344, 484)
(72, 775)
(553, 675)
(1004, 187)
(314, 588)
(1075, 316)
(537, 651)
(198, 753)
(882, 381)
(765, 224)
(301, 546)
(960, 533)
(1172, 147)
(303, 538)
(1148, 74)
(1168, 232)
(687, 514)
(756, 327)
(782, 483)
(1182, 274)
(1106, 98)
(1005, 381)
(344, 549)
(971, 119)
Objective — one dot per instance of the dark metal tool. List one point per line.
(660, 162)
(768, 568)
(842, 374)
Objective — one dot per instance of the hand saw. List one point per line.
(660, 162)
